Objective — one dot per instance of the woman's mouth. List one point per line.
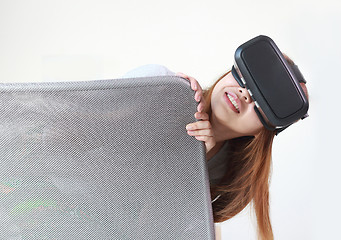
(232, 102)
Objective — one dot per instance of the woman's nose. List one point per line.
(244, 95)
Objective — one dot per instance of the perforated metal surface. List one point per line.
(106, 159)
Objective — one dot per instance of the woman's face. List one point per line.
(233, 108)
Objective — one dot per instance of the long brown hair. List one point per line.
(247, 176)
(246, 179)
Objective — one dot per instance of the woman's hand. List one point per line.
(201, 130)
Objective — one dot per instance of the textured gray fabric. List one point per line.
(107, 159)
(217, 164)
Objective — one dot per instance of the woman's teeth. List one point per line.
(233, 101)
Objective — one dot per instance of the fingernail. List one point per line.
(199, 98)
(188, 127)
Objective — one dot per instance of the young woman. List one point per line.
(238, 147)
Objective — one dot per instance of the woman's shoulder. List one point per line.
(221, 154)
(217, 164)
(148, 70)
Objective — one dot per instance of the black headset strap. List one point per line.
(298, 73)
(236, 76)
(265, 124)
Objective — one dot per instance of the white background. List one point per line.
(86, 40)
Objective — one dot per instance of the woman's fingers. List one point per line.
(201, 116)
(202, 132)
(198, 125)
(209, 142)
(194, 84)
(198, 96)
(201, 106)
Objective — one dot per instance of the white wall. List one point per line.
(82, 40)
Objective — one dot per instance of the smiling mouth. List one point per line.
(234, 103)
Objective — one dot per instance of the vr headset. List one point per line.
(273, 83)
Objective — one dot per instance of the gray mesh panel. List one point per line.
(107, 159)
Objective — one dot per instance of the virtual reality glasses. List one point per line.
(272, 82)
